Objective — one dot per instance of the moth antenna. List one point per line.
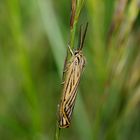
(82, 36)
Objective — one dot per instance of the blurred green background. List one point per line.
(33, 42)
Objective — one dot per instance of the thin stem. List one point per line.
(75, 17)
(72, 36)
(76, 10)
(57, 133)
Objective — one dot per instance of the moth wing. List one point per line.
(73, 84)
(63, 122)
(69, 92)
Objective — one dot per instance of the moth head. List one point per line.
(78, 52)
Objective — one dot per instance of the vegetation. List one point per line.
(33, 42)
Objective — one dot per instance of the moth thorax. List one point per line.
(79, 60)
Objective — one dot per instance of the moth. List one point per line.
(73, 71)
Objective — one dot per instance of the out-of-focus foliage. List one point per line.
(33, 43)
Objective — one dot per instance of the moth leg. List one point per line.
(70, 50)
(66, 68)
(63, 83)
(66, 64)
